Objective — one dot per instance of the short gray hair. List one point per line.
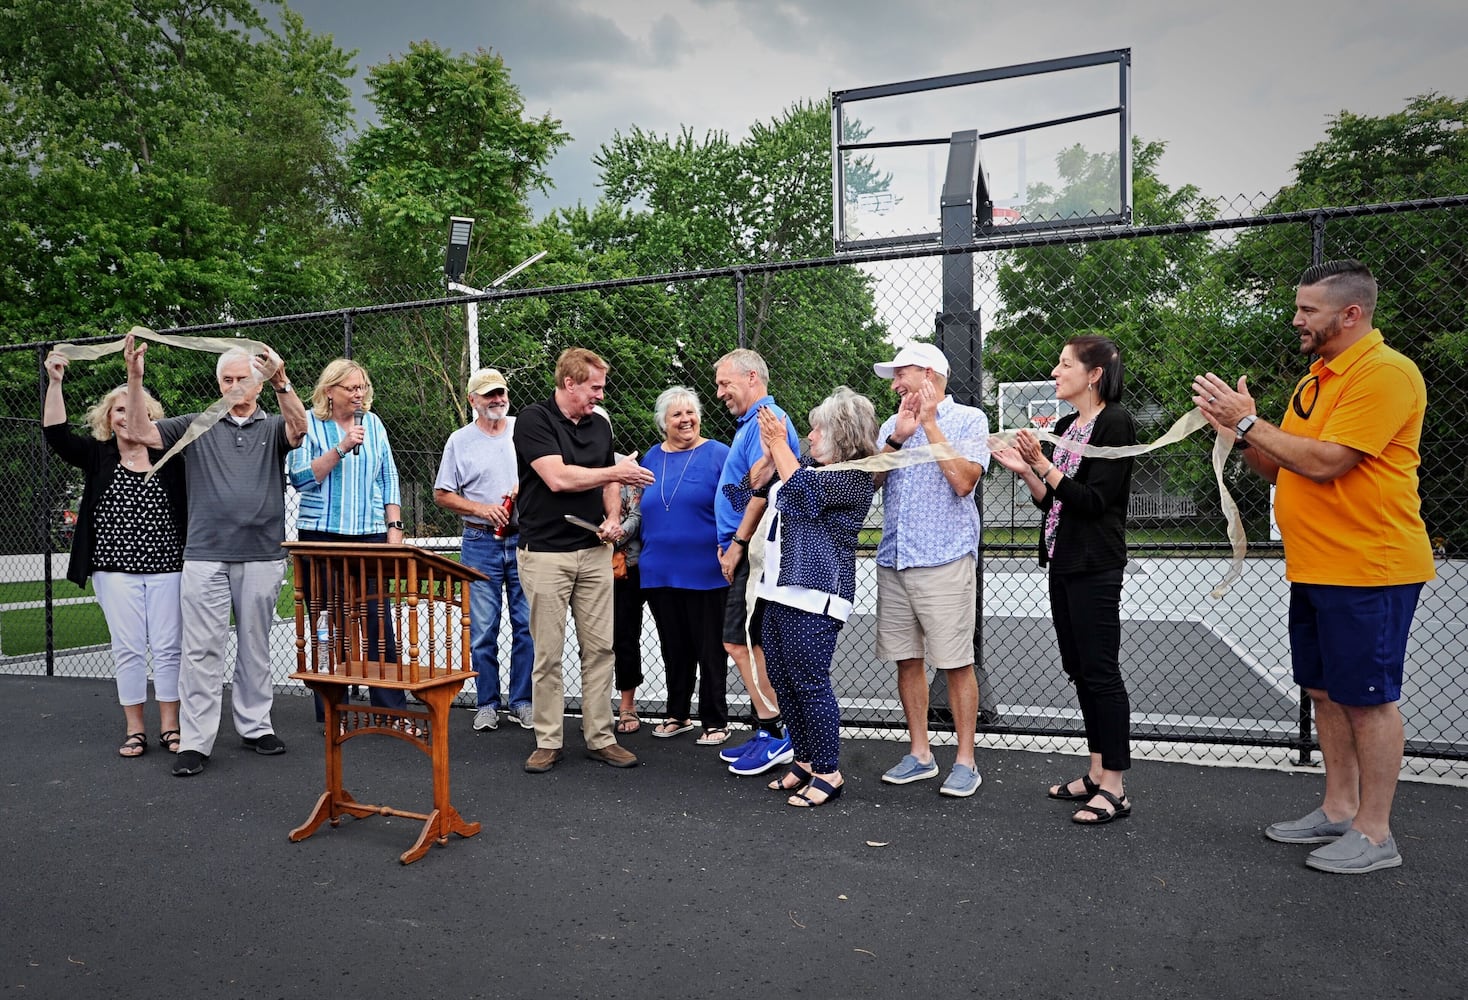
(849, 422)
(745, 360)
(665, 402)
(230, 355)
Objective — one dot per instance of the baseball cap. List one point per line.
(922, 355)
(485, 379)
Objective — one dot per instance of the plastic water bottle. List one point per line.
(323, 643)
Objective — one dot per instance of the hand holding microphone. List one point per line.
(352, 439)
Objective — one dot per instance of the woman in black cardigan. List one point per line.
(1083, 541)
(129, 539)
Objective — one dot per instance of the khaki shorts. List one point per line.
(927, 612)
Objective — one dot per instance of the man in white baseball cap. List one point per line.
(927, 560)
(915, 355)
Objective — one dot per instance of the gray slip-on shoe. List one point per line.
(1312, 829)
(1355, 854)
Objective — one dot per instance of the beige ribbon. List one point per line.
(1189, 423)
(211, 414)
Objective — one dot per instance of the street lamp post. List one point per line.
(456, 261)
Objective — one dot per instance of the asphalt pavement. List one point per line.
(677, 879)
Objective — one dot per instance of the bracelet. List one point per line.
(743, 543)
(339, 453)
(895, 444)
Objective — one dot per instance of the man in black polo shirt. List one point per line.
(567, 466)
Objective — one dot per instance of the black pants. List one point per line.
(1087, 612)
(690, 629)
(627, 630)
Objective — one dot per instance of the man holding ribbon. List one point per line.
(233, 560)
(1344, 463)
(927, 585)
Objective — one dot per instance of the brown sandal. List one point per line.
(628, 722)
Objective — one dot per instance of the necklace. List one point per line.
(663, 480)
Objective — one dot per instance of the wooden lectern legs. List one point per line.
(336, 801)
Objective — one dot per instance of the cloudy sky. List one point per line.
(1236, 90)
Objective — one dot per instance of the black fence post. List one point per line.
(45, 514)
(739, 304)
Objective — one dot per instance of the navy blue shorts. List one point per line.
(1350, 642)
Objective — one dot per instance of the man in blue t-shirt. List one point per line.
(742, 379)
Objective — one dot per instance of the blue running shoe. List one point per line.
(767, 753)
(731, 755)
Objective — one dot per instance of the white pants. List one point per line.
(142, 613)
(210, 591)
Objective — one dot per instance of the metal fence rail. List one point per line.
(1211, 675)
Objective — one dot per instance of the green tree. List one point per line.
(452, 138)
(684, 204)
(161, 162)
(1128, 289)
(146, 152)
(1158, 298)
(1419, 259)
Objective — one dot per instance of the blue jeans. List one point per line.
(495, 558)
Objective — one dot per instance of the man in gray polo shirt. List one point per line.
(233, 560)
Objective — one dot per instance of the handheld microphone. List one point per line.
(357, 416)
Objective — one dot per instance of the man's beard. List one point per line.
(1319, 338)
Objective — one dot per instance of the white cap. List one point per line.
(922, 355)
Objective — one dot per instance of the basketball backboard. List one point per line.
(1029, 404)
(1047, 145)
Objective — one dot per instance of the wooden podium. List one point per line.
(360, 596)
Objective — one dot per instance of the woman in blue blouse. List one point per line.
(808, 582)
(348, 485)
(681, 579)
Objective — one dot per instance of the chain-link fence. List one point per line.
(1216, 294)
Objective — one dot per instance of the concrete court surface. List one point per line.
(677, 879)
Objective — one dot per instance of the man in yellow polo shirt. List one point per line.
(1344, 463)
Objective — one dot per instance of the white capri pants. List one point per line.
(142, 611)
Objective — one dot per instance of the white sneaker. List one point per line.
(487, 717)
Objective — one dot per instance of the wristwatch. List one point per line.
(1243, 427)
(283, 388)
(395, 524)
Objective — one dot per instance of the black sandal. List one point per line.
(802, 799)
(1063, 792)
(169, 740)
(134, 741)
(1120, 808)
(801, 776)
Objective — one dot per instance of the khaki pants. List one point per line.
(582, 582)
